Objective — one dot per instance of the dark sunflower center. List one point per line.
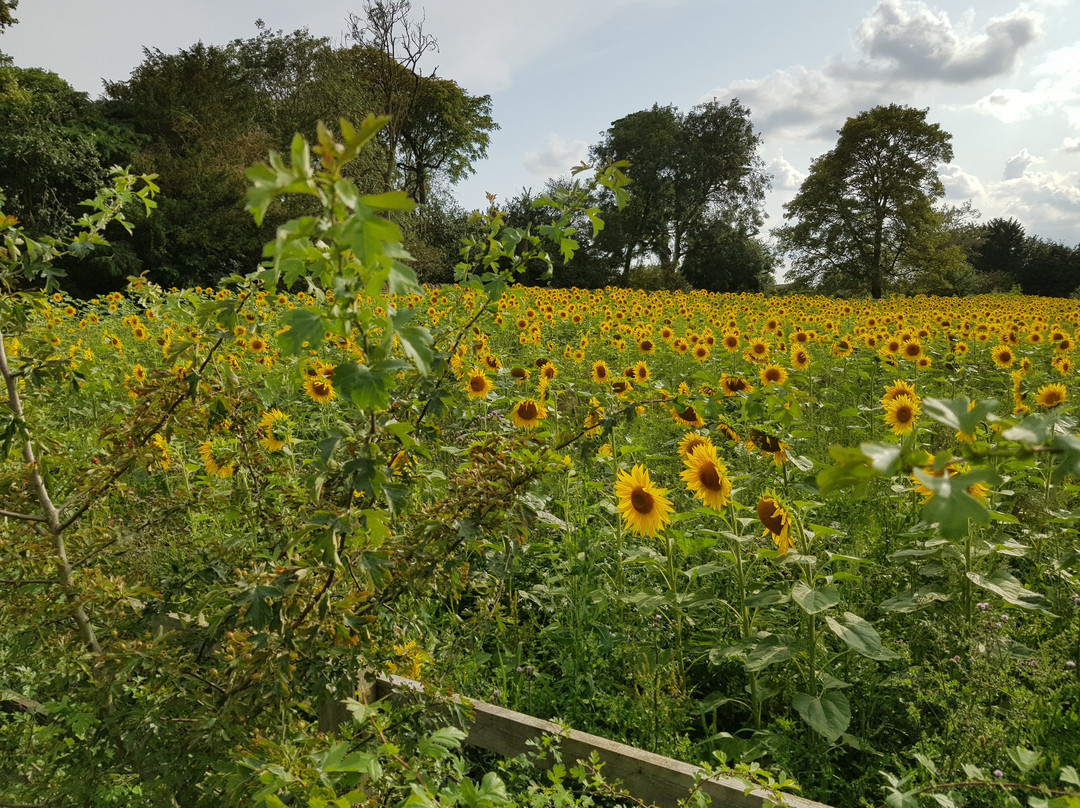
(689, 414)
(601, 372)
(773, 374)
(320, 388)
(476, 384)
(766, 513)
(641, 500)
(736, 385)
(646, 345)
(709, 477)
(903, 414)
(527, 410)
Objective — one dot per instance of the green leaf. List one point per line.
(954, 412)
(884, 457)
(415, 341)
(951, 506)
(391, 200)
(1025, 759)
(1003, 584)
(829, 714)
(851, 469)
(860, 636)
(767, 651)
(307, 330)
(813, 601)
(365, 387)
(438, 744)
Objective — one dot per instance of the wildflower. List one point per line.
(216, 464)
(600, 372)
(773, 374)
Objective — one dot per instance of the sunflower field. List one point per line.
(831, 543)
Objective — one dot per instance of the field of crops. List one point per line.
(828, 537)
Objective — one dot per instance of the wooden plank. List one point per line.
(652, 778)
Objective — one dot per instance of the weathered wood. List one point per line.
(651, 778)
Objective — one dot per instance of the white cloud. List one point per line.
(959, 184)
(785, 176)
(556, 156)
(1071, 145)
(902, 45)
(1016, 165)
(915, 43)
(1056, 90)
(1039, 199)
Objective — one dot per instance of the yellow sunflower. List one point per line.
(162, 447)
(1003, 356)
(691, 441)
(898, 388)
(275, 429)
(776, 520)
(644, 508)
(478, 385)
(773, 374)
(733, 385)
(215, 464)
(901, 412)
(319, 390)
(688, 417)
(706, 477)
(1051, 395)
(527, 413)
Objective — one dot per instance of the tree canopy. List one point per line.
(865, 213)
(688, 171)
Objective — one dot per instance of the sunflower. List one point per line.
(644, 508)
(594, 419)
(800, 359)
(706, 477)
(1003, 356)
(701, 352)
(978, 490)
(896, 389)
(641, 371)
(162, 447)
(478, 385)
(139, 372)
(691, 441)
(215, 464)
(527, 413)
(731, 342)
(688, 417)
(911, 350)
(901, 412)
(600, 372)
(257, 345)
(773, 374)
(621, 388)
(758, 351)
(1050, 395)
(319, 390)
(776, 520)
(733, 385)
(647, 346)
(275, 428)
(519, 374)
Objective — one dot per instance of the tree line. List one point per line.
(868, 219)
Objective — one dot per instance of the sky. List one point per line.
(1003, 77)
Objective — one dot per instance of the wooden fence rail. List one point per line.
(651, 778)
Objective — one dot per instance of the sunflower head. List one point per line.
(528, 414)
(1051, 395)
(644, 508)
(776, 519)
(901, 412)
(706, 477)
(477, 384)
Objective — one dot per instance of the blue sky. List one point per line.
(1003, 77)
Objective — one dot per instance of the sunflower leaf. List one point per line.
(813, 601)
(828, 714)
(860, 636)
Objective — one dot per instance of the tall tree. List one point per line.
(722, 257)
(865, 212)
(1002, 251)
(7, 7)
(396, 44)
(689, 170)
(55, 147)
